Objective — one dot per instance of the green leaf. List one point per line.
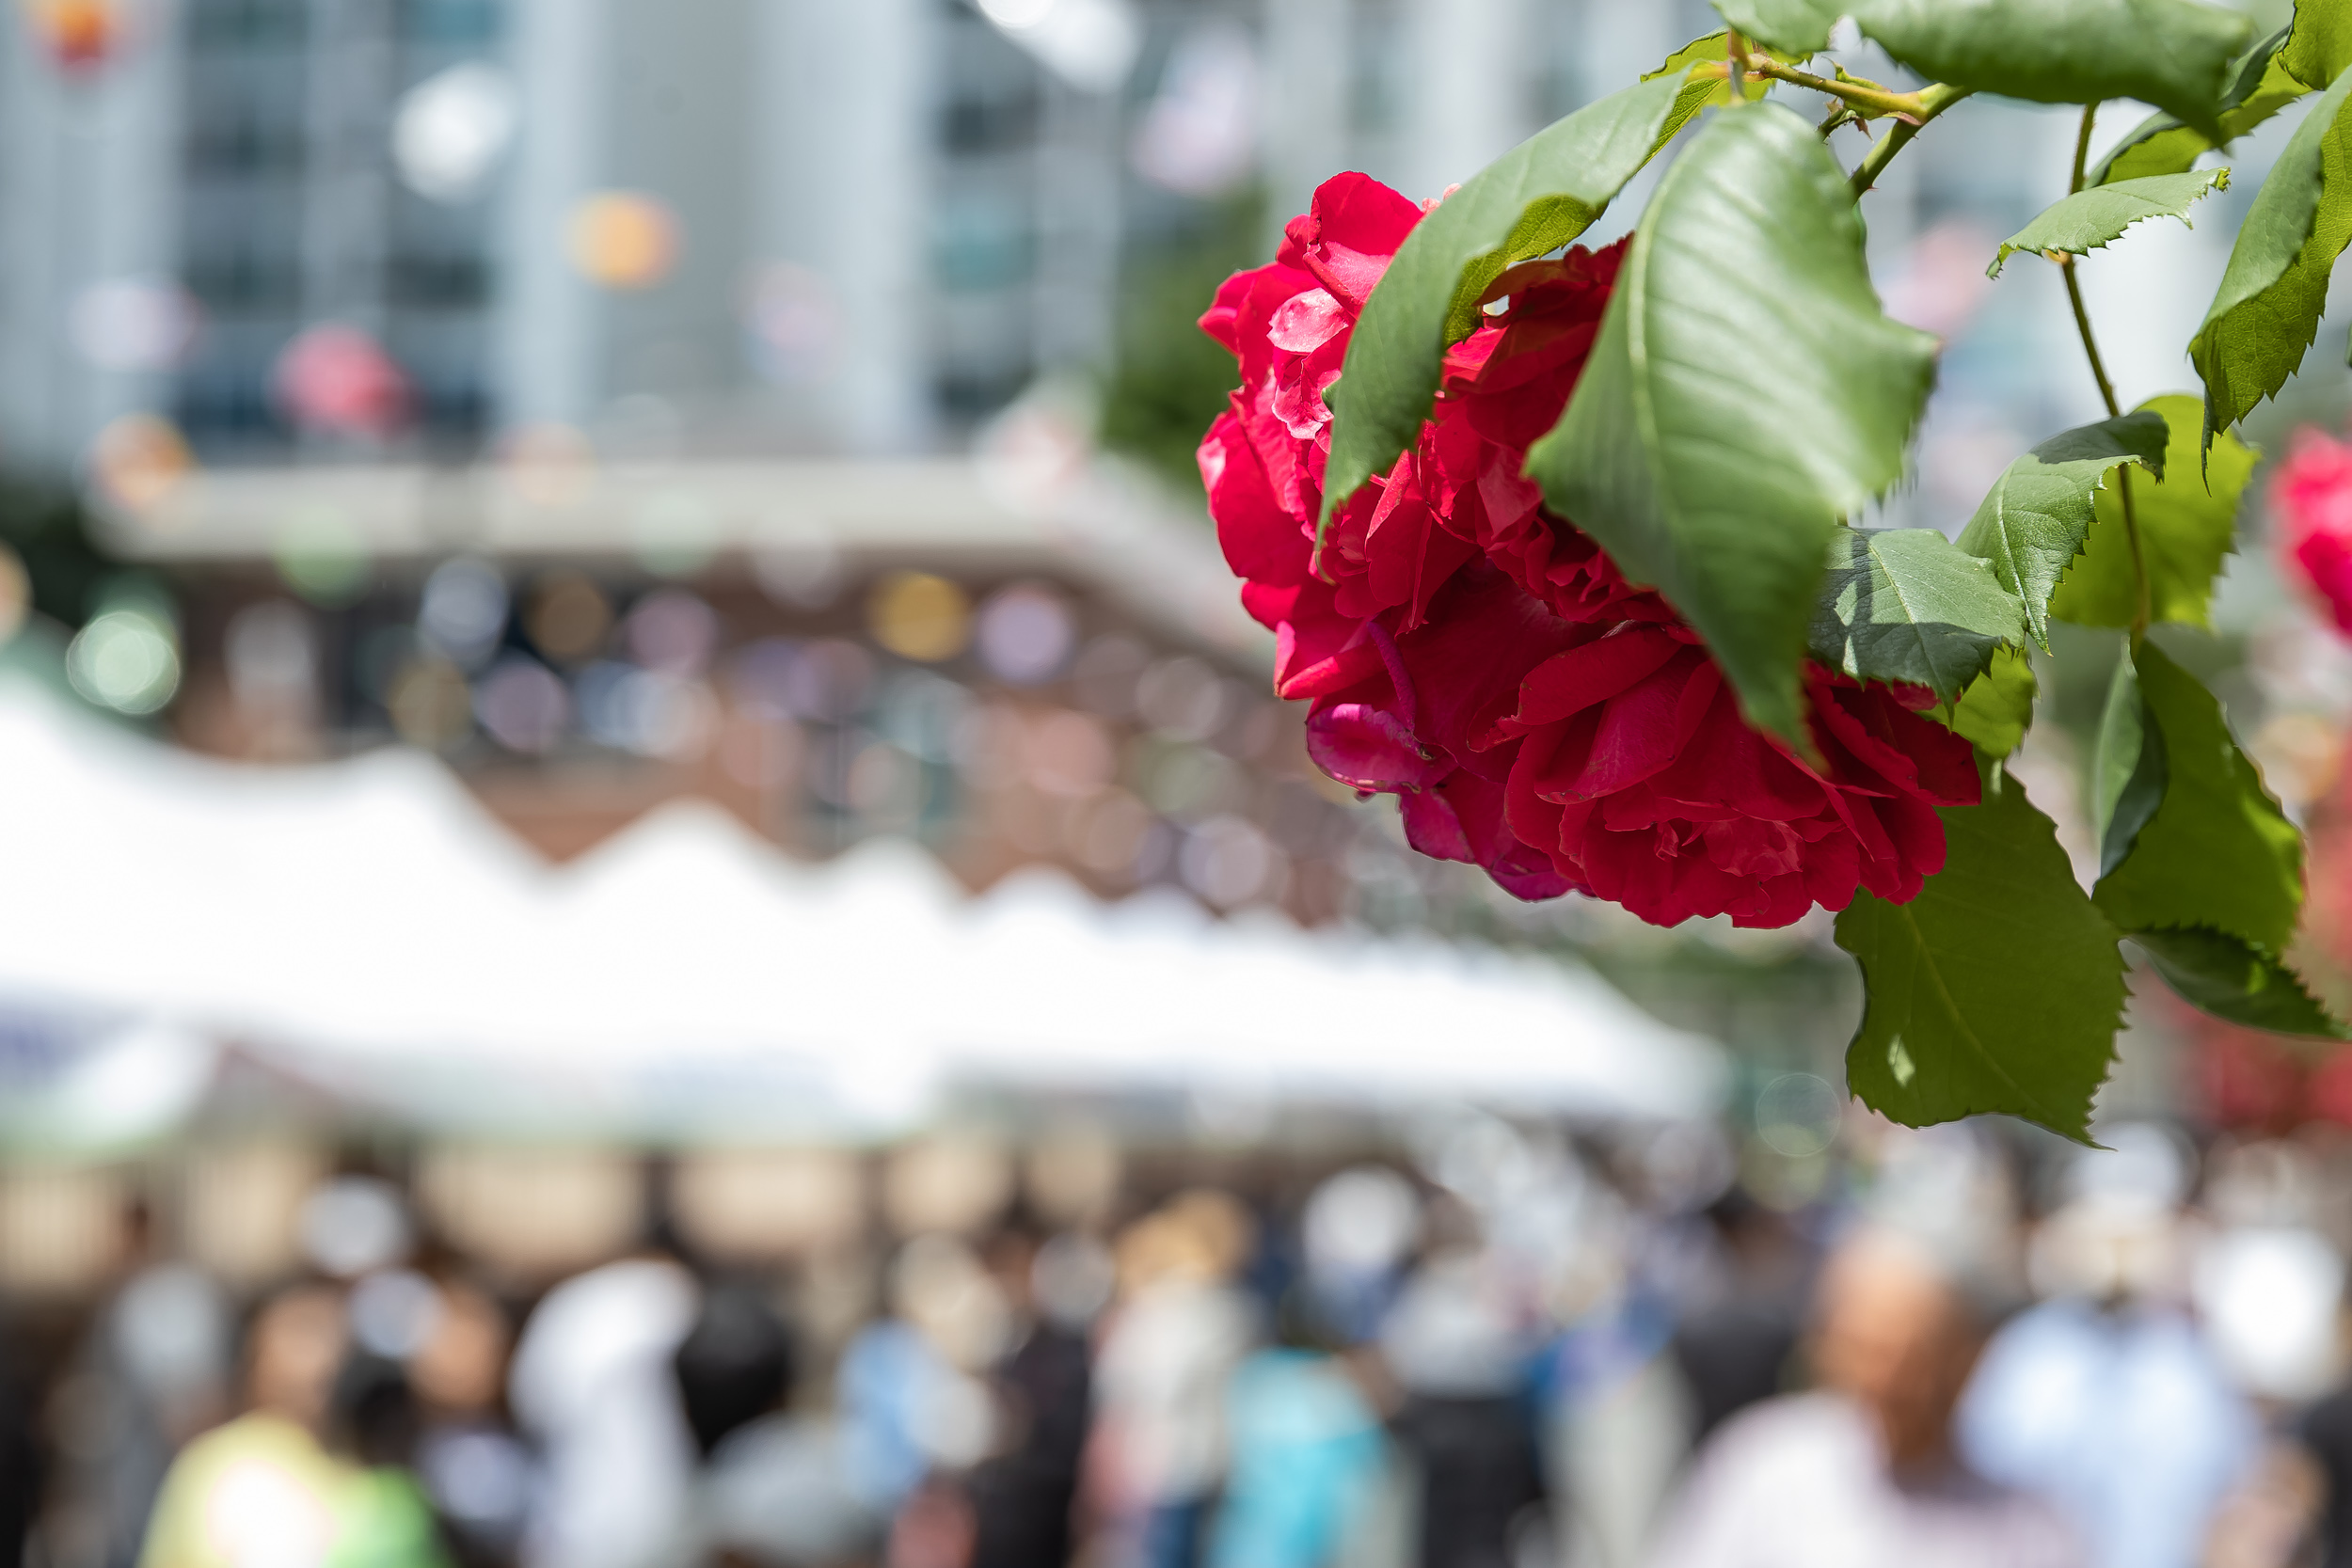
(1535, 197)
(2128, 770)
(2319, 43)
(1998, 708)
(1905, 604)
(2186, 522)
(1801, 28)
(2216, 850)
(1704, 91)
(1745, 392)
(2174, 55)
(2228, 978)
(1999, 987)
(2091, 219)
(2033, 521)
(2162, 145)
(2267, 310)
(2197, 862)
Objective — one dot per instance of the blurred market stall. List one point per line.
(366, 928)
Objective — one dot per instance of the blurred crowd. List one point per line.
(1503, 1347)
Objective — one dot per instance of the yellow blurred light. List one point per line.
(16, 593)
(78, 34)
(919, 616)
(623, 240)
(138, 460)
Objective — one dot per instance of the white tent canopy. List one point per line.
(367, 924)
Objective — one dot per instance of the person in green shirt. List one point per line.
(265, 1491)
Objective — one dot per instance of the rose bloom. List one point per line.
(2312, 496)
(1474, 655)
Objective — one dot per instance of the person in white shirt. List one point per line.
(1861, 1472)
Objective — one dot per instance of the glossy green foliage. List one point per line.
(2173, 55)
(1998, 708)
(2188, 836)
(2196, 861)
(1536, 197)
(2160, 144)
(1745, 398)
(2320, 41)
(1998, 989)
(2033, 522)
(2186, 525)
(1712, 470)
(1799, 26)
(1907, 605)
(2219, 975)
(1706, 90)
(2267, 310)
(2093, 219)
(2127, 770)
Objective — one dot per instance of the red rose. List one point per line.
(1504, 385)
(1639, 777)
(2312, 497)
(1288, 325)
(1417, 727)
(1480, 658)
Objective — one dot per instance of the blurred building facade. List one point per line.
(593, 391)
(773, 226)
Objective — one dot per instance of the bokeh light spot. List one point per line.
(568, 615)
(450, 130)
(16, 593)
(462, 610)
(1025, 634)
(672, 632)
(919, 616)
(139, 460)
(133, 324)
(337, 378)
(431, 705)
(523, 705)
(1797, 1114)
(125, 660)
(622, 240)
(79, 35)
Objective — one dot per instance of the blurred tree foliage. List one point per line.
(1170, 379)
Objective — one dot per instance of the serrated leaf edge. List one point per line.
(2038, 616)
(1943, 991)
(2217, 178)
(2276, 960)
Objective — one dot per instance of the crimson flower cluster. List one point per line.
(1469, 651)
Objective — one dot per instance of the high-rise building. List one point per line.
(787, 226)
(627, 399)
